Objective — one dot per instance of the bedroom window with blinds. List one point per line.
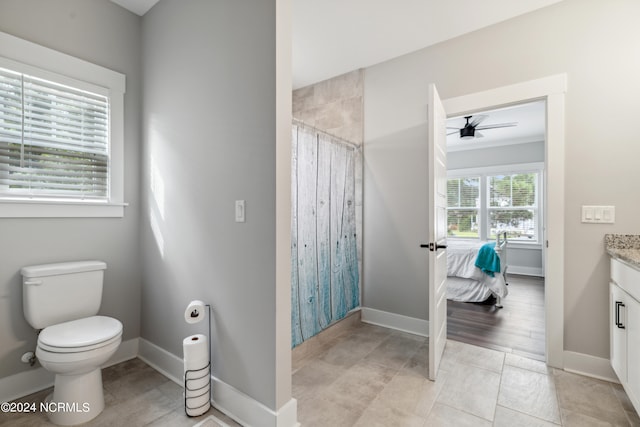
(61, 134)
(463, 202)
(483, 201)
(54, 140)
(513, 205)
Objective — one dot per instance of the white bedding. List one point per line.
(466, 282)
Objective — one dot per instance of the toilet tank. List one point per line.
(56, 293)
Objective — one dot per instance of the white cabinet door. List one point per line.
(633, 349)
(617, 299)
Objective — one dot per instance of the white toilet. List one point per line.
(63, 300)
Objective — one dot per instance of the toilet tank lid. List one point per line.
(62, 268)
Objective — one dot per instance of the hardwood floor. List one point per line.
(517, 328)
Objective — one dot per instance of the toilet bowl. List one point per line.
(62, 301)
(74, 352)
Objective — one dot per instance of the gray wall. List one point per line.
(598, 45)
(105, 34)
(209, 120)
(531, 152)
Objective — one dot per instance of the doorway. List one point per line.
(495, 186)
(552, 90)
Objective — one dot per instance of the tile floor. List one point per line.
(136, 395)
(372, 376)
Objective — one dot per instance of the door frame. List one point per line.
(552, 89)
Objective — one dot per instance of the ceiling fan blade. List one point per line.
(454, 132)
(451, 127)
(478, 134)
(498, 125)
(476, 120)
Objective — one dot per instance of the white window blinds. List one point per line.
(54, 140)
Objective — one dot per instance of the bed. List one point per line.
(468, 283)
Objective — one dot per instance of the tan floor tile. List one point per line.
(359, 386)
(395, 350)
(633, 418)
(590, 397)
(137, 411)
(529, 392)
(473, 390)
(309, 380)
(574, 419)
(418, 364)
(472, 355)
(383, 416)
(526, 363)
(446, 416)
(132, 384)
(506, 417)
(409, 394)
(321, 413)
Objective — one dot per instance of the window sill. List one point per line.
(60, 209)
(517, 244)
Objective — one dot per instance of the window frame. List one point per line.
(484, 173)
(29, 58)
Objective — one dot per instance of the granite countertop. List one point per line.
(625, 247)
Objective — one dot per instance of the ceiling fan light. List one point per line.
(467, 132)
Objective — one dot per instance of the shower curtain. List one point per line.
(324, 258)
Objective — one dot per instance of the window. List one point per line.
(482, 202)
(513, 205)
(463, 201)
(53, 140)
(61, 132)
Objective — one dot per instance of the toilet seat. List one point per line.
(80, 335)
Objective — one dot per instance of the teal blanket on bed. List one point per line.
(488, 260)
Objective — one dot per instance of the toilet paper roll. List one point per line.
(195, 350)
(197, 406)
(195, 311)
(191, 393)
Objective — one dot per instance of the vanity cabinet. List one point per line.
(624, 307)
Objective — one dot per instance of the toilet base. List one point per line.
(76, 399)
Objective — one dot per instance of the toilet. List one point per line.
(62, 300)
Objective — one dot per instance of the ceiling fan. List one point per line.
(471, 128)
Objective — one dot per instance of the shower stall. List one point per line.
(325, 278)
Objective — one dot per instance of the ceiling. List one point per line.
(530, 119)
(333, 37)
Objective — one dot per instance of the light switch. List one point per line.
(240, 211)
(599, 214)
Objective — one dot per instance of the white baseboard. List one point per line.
(247, 411)
(128, 350)
(25, 383)
(37, 379)
(227, 399)
(168, 364)
(395, 321)
(590, 366)
(525, 271)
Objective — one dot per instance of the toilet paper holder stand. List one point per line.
(195, 314)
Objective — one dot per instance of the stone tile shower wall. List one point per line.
(336, 107)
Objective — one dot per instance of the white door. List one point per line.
(437, 231)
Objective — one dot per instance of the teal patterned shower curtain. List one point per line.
(324, 259)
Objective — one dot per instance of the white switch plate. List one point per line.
(240, 211)
(599, 214)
